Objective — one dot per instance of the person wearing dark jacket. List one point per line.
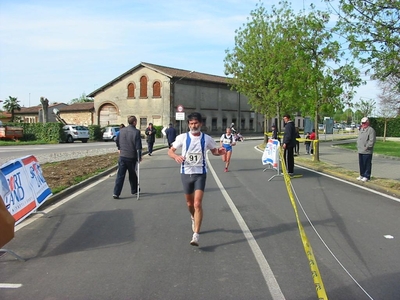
(275, 133)
(171, 135)
(288, 143)
(129, 144)
(150, 133)
(297, 142)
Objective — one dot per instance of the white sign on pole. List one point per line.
(180, 116)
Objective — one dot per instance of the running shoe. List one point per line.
(359, 178)
(195, 239)
(226, 170)
(365, 179)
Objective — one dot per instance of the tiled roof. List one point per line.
(179, 73)
(88, 106)
(28, 110)
(172, 73)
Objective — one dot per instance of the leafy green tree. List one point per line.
(289, 63)
(338, 115)
(263, 60)
(11, 105)
(372, 29)
(81, 99)
(358, 115)
(348, 116)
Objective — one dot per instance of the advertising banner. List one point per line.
(28, 188)
(271, 154)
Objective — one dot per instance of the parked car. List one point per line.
(76, 133)
(349, 128)
(321, 127)
(110, 133)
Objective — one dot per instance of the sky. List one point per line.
(63, 49)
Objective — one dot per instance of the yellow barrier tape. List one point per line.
(319, 285)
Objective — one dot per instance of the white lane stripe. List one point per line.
(269, 276)
(10, 285)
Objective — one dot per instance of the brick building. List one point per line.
(152, 93)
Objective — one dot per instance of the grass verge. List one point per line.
(388, 148)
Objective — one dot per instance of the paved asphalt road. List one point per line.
(90, 246)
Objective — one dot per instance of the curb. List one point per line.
(68, 191)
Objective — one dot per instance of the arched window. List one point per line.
(156, 89)
(143, 87)
(131, 90)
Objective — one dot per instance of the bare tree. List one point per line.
(389, 102)
(390, 94)
(45, 109)
(365, 106)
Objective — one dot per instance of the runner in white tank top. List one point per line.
(194, 145)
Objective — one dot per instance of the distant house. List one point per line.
(153, 94)
(34, 114)
(5, 117)
(78, 113)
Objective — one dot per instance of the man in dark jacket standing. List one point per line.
(150, 137)
(171, 135)
(288, 143)
(129, 145)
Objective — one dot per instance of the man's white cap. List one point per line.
(364, 120)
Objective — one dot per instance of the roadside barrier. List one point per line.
(28, 187)
(270, 157)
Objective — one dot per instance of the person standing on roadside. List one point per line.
(288, 143)
(120, 126)
(129, 144)
(274, 133)
(227, 140)
(150, 133)
(171, 135)
(193, 167)
(307, 143)
(312, 137)
(365, 147)
(297, 142)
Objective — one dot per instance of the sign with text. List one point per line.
(180, 116)
(28, 188)
(271, 153)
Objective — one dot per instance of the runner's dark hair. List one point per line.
(195, 116)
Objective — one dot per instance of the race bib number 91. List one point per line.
(193, 159)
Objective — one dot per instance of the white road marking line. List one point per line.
(10, 285)
(389, 237)
(269, 276)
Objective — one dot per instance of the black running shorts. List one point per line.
(192, 182)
